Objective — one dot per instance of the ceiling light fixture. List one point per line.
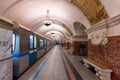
(47, 21)
(52, 33)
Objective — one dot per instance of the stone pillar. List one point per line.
(64, 44)
(68, 45)
(5, 54)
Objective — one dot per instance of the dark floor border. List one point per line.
(76, 74)
(68, 76)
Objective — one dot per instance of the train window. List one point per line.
(14, 39)
(31, 41)
(35, 41)
(41, 43)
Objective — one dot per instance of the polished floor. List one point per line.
(50, 68)
(54, 66)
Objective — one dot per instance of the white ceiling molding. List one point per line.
(104, 24)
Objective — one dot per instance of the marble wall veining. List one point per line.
(76, 47)
(5, 43)
(6, 69)
(108, 55)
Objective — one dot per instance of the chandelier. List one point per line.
(47, 21)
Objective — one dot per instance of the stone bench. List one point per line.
(102, 71)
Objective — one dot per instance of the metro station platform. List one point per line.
(58, 64)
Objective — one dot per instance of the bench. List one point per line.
(102, 71)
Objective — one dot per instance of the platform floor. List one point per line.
(52, 67)
(84, 72)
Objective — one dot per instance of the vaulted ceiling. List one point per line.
(92, 9)
(63, 14)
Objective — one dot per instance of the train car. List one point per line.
(28, 48)
(23, 48)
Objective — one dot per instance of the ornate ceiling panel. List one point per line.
(92, 9)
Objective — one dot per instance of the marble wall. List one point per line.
(76, 47)
(104, 44)
(6, 69)
(5, 53)
(112, 57)
(108, 55)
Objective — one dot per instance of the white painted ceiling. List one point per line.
(31, 13)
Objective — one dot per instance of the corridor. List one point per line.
(51, 68)
(59, 40)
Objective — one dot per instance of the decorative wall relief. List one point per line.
(92, 9)
(99, 37)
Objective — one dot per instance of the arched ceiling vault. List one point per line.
(54, 27)
(55, 35)
(93, 10)
(36, 8)
(37, 24)
(31, 13)
(79, 28)
(52, 32)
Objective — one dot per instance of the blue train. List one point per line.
(20, 48)
(28, 47)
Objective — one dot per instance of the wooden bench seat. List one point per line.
(97, 64)
(101, 70)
